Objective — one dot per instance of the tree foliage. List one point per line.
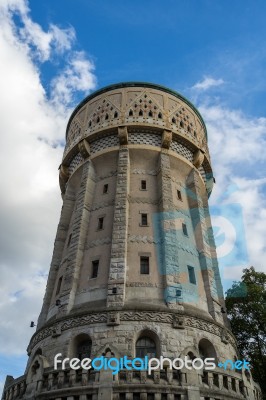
(246, 308)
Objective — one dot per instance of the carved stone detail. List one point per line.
(178, 322)
(198, 158)
(166, 139)
(113, 319)
(84, 148)
(123, 135)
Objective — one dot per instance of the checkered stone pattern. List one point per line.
(103, 143)
(202, 173)
(182, 150)
(145, 138)
(74, 163)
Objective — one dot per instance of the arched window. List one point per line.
(84, 349)
(173, 120)
(98, 120)
(106, 116)
(190, 355)
(145, 346)
(116, 114)
(160, 115)
(206, 349)
(150, 113)
(181, 124)
(140, 113)
(130, 114)
(81, 346)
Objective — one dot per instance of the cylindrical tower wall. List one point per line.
(134, 266)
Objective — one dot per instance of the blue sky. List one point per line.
(55, 52)
(174, 42)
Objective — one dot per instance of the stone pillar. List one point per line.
(193, 393)
(198, 218)
(117, 273)
(168, 235)
(79, 233)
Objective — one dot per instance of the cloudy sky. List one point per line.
(55, 52)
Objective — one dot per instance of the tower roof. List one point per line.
(136, 84)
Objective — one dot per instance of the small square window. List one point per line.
(100, 223)
(105, 188)
(114, 290)
(184, 229)
(144, 219)
(143, 185)
(144, 265)
(95, 267)
(179, 195)
(191, 274)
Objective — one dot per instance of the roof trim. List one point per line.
(135, 84)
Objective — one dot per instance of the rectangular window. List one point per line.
(95, 267)
(191, 274)
(105, 188)
(114, 290)
(59, 283)
(179, 195)
(100, 223)
(143, 185)
(184, 229)
(144, 265)
(144, 219)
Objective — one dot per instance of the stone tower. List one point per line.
(134, 270)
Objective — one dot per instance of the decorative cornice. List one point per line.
(147, 316)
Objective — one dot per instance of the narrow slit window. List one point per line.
(116, 114)
(181, 124)
(179, 194)
(130, 114)
(140, 113)
(95, 268)
(105, 188)
(184, 229)
(144, 265)
(100, 223)
(150, 114)
(160, 115)
(144, 219)
(69, 240)
(143, 185)
(191, 274)
(59, 284)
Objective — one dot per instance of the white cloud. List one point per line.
(77, 75)
(236, 144)
(207, 83)
(29, 178)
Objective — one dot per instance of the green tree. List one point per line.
(246, 308)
